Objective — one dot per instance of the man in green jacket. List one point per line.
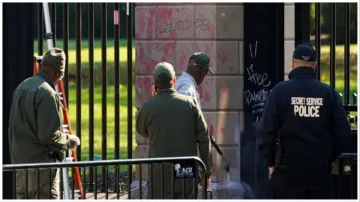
(175, 127)
(34, 129)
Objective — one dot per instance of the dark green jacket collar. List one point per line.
(47, 79)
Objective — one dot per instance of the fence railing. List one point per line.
(182, 173)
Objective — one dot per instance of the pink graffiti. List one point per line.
(143, 89)
(205, 22)
(184, 51)
(175, 22)
(222, 130)
(145, 21)
(148, 54)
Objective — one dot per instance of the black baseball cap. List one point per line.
(305, 52)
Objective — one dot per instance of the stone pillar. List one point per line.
(172, 33)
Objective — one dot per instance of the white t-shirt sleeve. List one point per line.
(185, 89)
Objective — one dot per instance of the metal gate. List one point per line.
(332, 30)
(83, 40)
(99, 74)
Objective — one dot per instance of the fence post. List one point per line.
(103, 90)
(129, 13)
(302, 23)
(18, 63)
(264, 57)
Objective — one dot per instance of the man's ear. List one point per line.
(174, 80)
(292, 63)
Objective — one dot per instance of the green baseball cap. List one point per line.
(54, 58)
(163, 68)
(202, 60)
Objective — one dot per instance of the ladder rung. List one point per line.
(65, 126)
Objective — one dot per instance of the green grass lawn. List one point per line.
(97, 120)
(325, 75)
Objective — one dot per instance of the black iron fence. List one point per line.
(345, 82)
(180, 173)
(337, 66)
(97, 21)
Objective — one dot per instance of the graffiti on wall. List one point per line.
(260, 81)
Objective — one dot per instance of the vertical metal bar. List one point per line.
(347, 54)
(91, 94)
(106, 182)
(205, 185)
(103, 86)
(341, 167)
(183, 191)
(318, 37)
(151, 181)
(129, 89)
(173, 185)
(117, 185)
(332, 43)
(117, 81)
(50, 180)
(84, 183)
(162, 181)
(14, 183)
(38, 183)
(194, 181)
(355, 173)
(72, 183)
(40, 29)
(351, 178)
(78, 77)
(95, 189)
(26, 184)
(140, 188)
(61, 185)
(53, 21)
(66, 48)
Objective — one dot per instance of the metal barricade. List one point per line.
(346, 186)
(171, 177)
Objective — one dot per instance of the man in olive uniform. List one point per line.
(174, 126)
(34, 129)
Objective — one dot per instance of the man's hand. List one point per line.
(271, 170)
(208, 182)
(74, 141)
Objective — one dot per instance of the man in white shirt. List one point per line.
(187, 84)
(198, 67)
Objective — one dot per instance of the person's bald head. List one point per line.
(164, 75)
(304, 56)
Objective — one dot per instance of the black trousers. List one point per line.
(302, 183)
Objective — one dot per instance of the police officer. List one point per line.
(307, 120)
(34, 129)
(198, 67)
(175, 127)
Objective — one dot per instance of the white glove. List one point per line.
(74, 141)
